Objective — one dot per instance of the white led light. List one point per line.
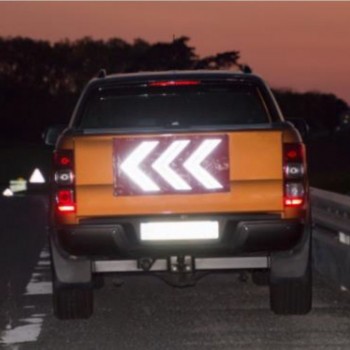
(193, 166)
(295, 189)
(64, 177)
(161, 165)
(294, 170)
(190, 230)
(131, 166)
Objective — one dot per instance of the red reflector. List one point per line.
(293, 152)
(293, 202)
(65, 201)
(64, 161)
(64, 158)
(175, 83)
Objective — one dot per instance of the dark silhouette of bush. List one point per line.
(41, 81)
(321, 111)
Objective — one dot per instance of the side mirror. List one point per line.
(302, 126)
(51, 134)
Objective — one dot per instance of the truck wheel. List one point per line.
(292, 296)
(72, 302)
(260, 277)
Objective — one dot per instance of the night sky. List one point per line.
(299, 45)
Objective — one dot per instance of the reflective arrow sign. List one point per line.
(131, 166)
(162, 165)
(193, 164)
(171, 164)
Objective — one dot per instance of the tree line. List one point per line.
(41, 81)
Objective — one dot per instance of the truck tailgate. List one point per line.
(254, 174)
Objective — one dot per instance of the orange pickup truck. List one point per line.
(179, 172)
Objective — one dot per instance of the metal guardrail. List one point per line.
(331, 236)
(331, 210)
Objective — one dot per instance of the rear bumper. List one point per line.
(120, 237)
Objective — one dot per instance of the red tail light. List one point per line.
(65, 201)
(174, 83)
(64, 159)
(294, 174)
(293, 153)
(64, 181)
(294, 202)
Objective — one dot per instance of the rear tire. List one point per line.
(72, 302)
(292, 296)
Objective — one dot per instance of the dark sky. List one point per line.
(301, 45)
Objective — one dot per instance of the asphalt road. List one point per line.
(143, 312)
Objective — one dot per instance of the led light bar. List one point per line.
(174, 230)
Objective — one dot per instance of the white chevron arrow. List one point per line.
(193, 164)
(162, 165)
(131, 166)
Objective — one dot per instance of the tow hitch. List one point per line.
(182, 272)
(181, 264)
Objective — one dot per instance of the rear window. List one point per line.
(180, 106)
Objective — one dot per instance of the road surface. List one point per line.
(142, 312)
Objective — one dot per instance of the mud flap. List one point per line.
(69, 271)
(293, 264)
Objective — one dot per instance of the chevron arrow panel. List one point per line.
(171, 164)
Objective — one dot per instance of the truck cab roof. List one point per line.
(203, 75)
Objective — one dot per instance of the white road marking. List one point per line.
(38, 288)
(44, 254)
(29, 307)
(22, 334)
(29, 328)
